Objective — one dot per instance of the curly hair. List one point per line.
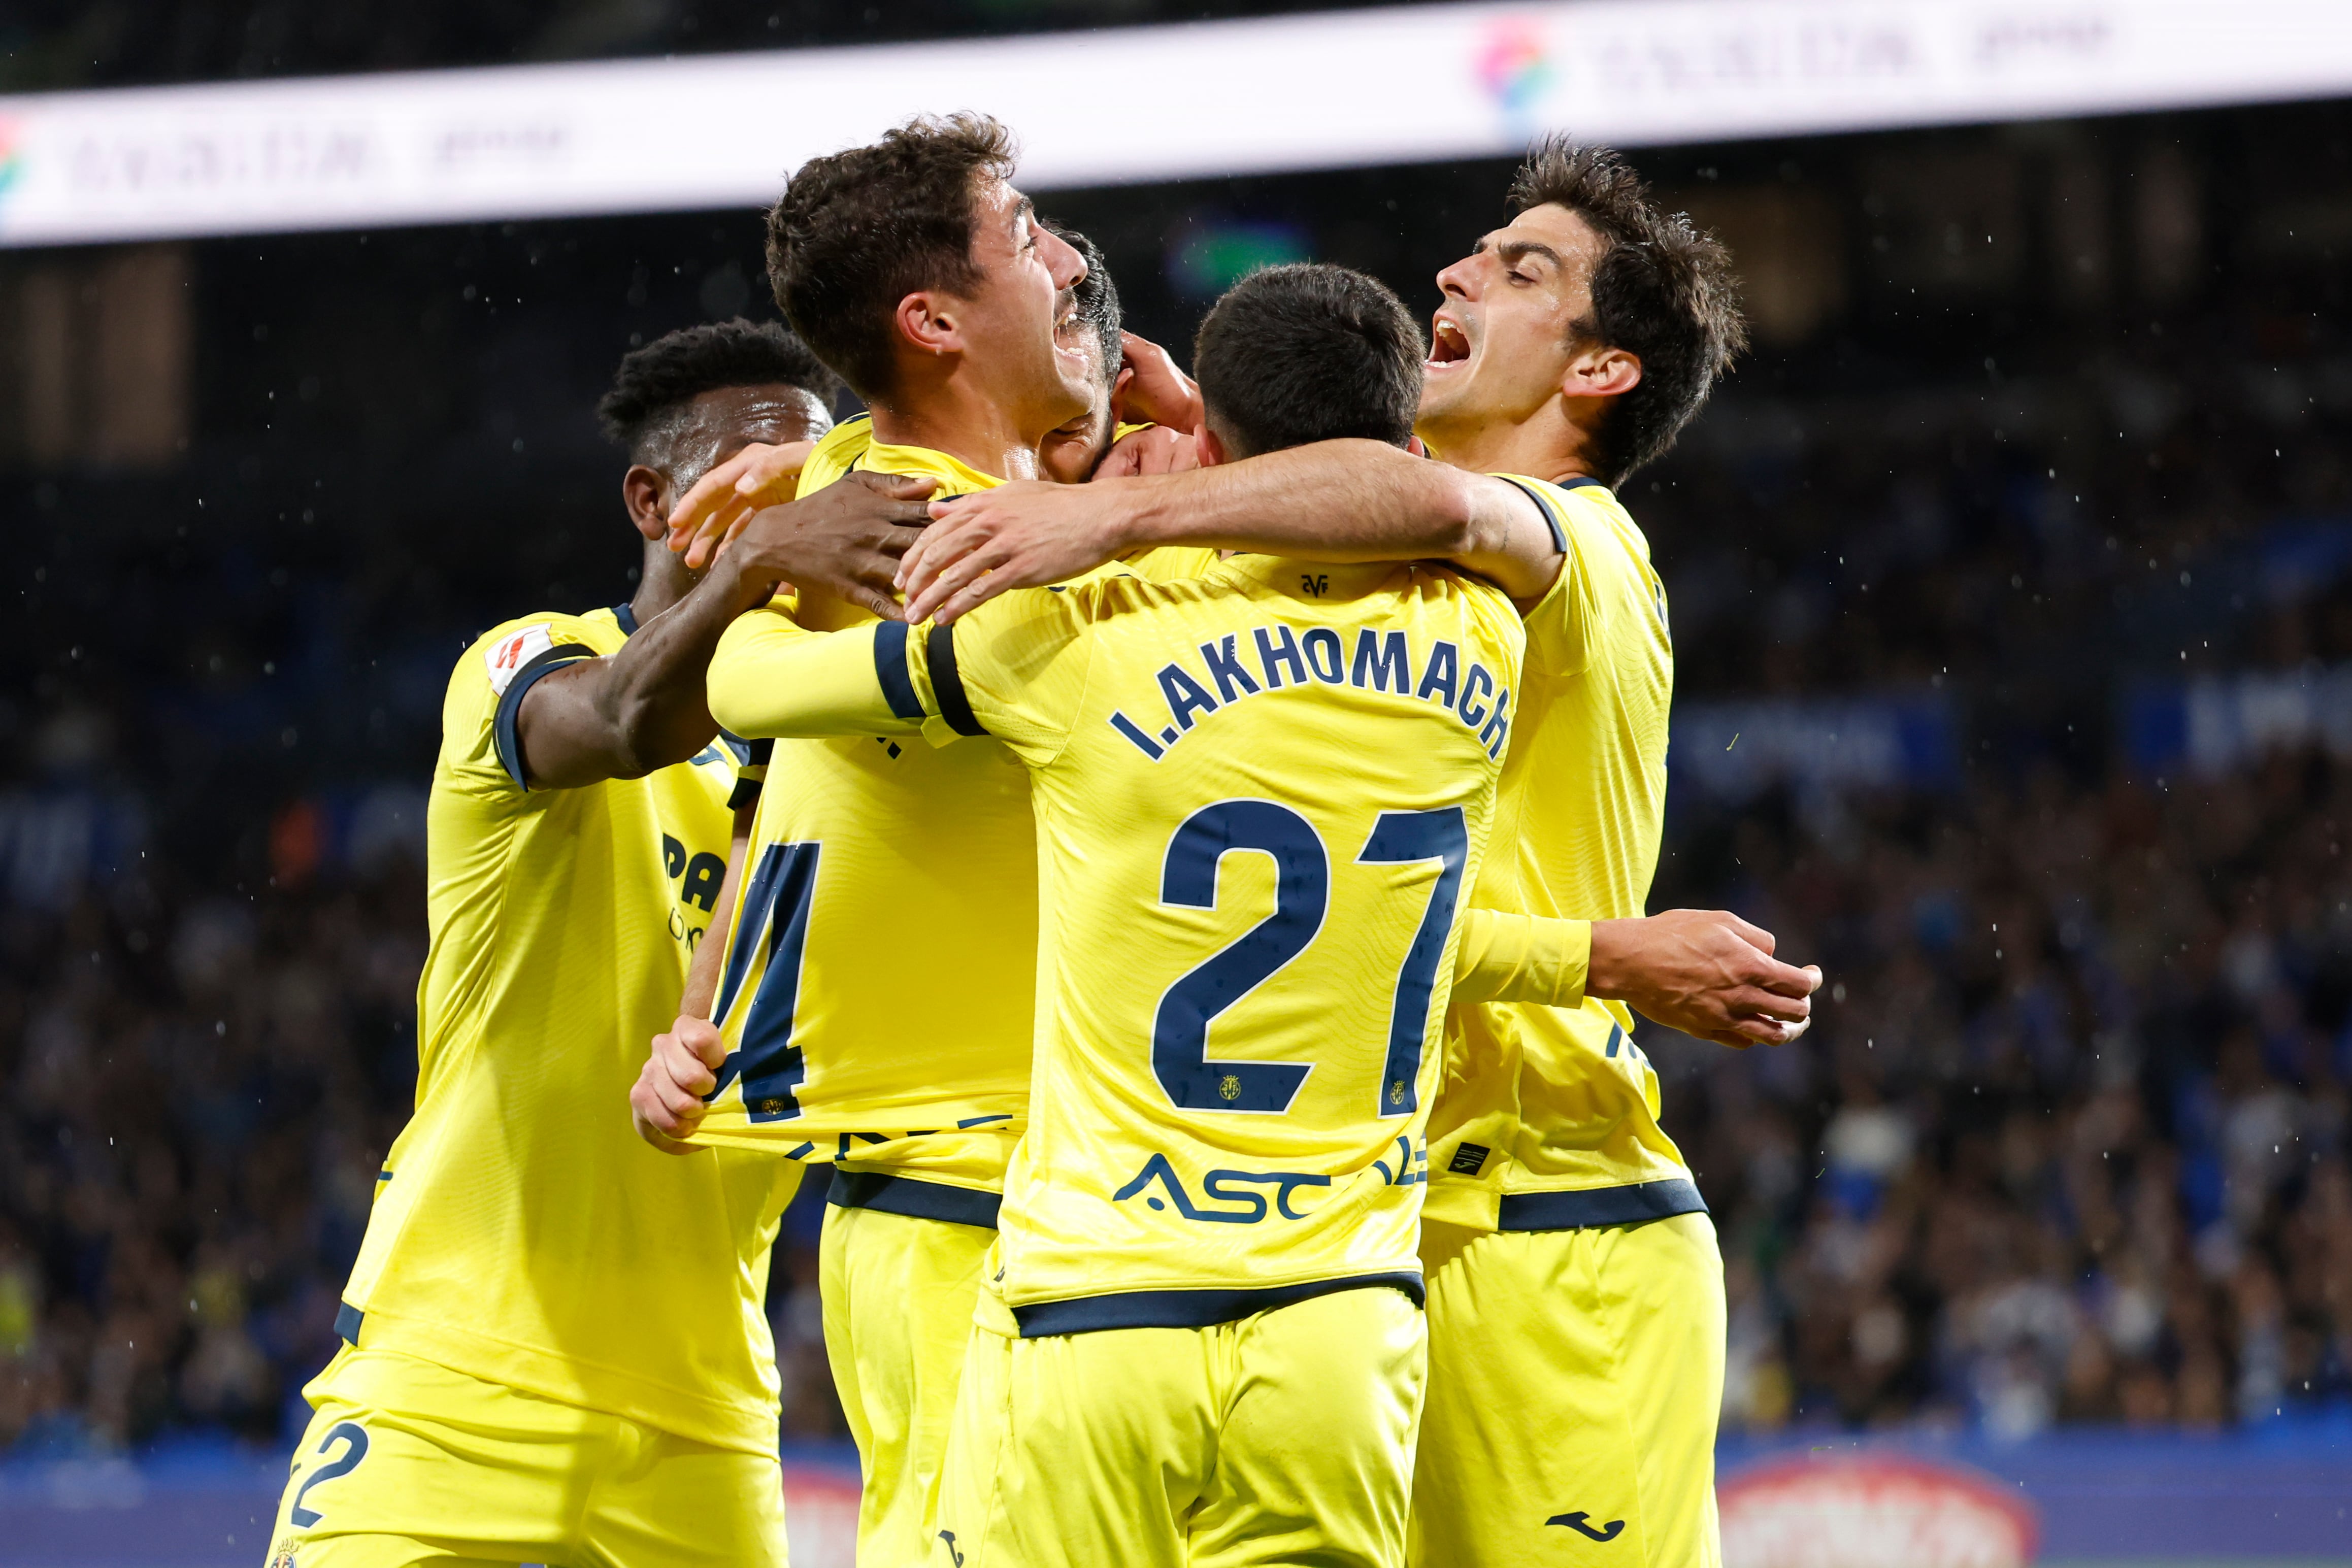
(1662, 290)
(656, 386)
(856, 232)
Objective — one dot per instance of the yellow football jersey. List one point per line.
(876, 1000)
(522, 1232)
(1566, 1132)
(844, 447)
(1261, 798)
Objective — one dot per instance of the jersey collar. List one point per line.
(956, 476)
(1288, 576)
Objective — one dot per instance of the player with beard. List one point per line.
(1575, 1289)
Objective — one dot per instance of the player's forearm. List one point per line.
(1334, 500)
(653, 703)
(774, 679)
(1347, 501)
(702, 975)
(1537, 959)
(626, 714)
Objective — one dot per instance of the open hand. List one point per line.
(715, 510)
(1025, 534)
(848, 539)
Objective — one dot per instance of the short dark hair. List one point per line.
(857, 232)
(1308, 352)
(657, 385)
(1097, 296)
(1662, 290)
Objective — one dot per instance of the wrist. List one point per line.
(1136, 521)
(1605, 972)
(742, 584)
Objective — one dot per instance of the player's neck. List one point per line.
(951, 417)
(662, 578)
(1544, 445)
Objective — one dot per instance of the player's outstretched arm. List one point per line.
(1705, 972)
(1334, 500)
(644, 708)
(1695, 971)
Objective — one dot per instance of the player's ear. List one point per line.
(646, 493)
(1596, 370)
(924, 320)
(1212, 450)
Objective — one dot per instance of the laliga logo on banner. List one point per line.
(12, 159)
(1873, 1511)
(1515, 70)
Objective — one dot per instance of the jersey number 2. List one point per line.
(1302, 896)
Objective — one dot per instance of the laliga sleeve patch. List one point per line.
(508, 656)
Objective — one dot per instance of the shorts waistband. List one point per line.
(1190, 1309)
(915, 1199)
(1636, 1205)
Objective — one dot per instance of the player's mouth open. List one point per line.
(1448, 344)
(1068, 338)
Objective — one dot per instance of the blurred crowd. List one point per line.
(2069, 1141)
(203, 1083)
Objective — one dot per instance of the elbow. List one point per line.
(648, 733)
(730, 708)
(1452, 513)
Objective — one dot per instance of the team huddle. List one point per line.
(1174, 847)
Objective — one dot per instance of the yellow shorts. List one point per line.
(1282, 1439)
(898, 1295)
(1575, 1378)
(409, 1463)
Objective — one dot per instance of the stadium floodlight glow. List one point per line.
(1333, 90)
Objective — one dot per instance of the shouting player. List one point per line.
(1575, 1287)
(497, 1398)
(834, 1040)
(1200, 1339)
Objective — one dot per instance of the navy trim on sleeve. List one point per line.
(348, 1318)
(915, 1199)
(752, 772)
(626, 614)
(502, 728)
(1190, 1309)
(947, 681)
(1559, 534)
(1636, 1205)
(890, 669)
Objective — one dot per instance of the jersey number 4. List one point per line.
(1180, 1028)
(775, 911)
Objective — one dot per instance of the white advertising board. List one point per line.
(1405, 85)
